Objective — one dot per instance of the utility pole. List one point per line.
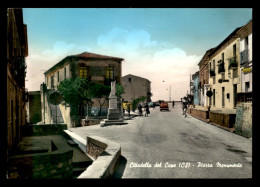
(170, 94)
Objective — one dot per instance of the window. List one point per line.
(52, 82)
(246, 43)
(214, 80)
(109, 73)
(222, 57)
(58, 76)
(234, 50)
(129, 79)
(65, 73)
(247, 86)
(83, 71)
(213, 65)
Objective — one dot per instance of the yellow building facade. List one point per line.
(224, 69)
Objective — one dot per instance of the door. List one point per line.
(223, 97)
(235, 95)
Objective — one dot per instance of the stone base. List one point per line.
(113, 114)
(107, 122)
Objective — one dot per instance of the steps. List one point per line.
(56, 118)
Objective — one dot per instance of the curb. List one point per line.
(105, 164)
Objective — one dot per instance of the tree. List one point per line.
(136, 101)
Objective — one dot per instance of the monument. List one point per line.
(113, 115)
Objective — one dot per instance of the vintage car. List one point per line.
(164, 106)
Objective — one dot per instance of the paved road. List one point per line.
(181, 147)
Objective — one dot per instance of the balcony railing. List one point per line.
(212, 73)
(244, 56)
(232, 63)
(221, 67)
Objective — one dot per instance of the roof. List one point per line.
(135, 76)
(206, 55)
(232, 35)
(95, 56)
(85, 55)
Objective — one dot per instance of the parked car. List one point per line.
(164, 106)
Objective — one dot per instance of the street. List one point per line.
(167, 145)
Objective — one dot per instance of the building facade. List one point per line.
(246, 62)
(204, 78)
(195, 78)
(17, 50)
(224, 71)
(135, 87)
(94, 67)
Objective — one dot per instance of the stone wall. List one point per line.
(43, 130)
(56, 165)
(203, 115)
(226, 120)
(244, 119)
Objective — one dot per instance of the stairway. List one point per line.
(59, 118)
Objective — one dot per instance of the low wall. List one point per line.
(105, 155)
(200, 114)
(244, 119)
(50, 165)
(222, 119)
(43, 130)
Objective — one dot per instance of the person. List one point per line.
(185, 109)
(172, 104)
(182, 106)
(140, 110)
(146, 110)
(128, 109)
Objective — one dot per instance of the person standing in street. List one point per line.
(140, 110)
(182, 106)
(128, 109)
(172, 104)
(146, 110)
(185, 109)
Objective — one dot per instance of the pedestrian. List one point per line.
(140, 110)
(146, 110)
(182, 106)
(185, 108)
(128, 109)
(172, 104)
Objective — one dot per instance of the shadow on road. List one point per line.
(120, 168)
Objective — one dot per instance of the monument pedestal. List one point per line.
(113, 115)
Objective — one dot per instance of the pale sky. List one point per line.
(159, 44)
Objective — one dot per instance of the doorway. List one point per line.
(223, 97)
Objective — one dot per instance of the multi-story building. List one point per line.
(204, 78)
(224, 72)
(17, 50)
(94, 67)
(246, 52)
(135, 87)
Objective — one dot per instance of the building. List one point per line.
(17, 50)
(195, 88)
(33, 107)
(246, 62)
(94, 67)
(204, 78)
(135, 87)
(224, 71)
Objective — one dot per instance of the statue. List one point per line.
(113, 89)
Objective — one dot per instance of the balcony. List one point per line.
(221, 67)
(212, 73)
(244, 57)
(232, 63)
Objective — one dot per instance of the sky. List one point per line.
(163, 45)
